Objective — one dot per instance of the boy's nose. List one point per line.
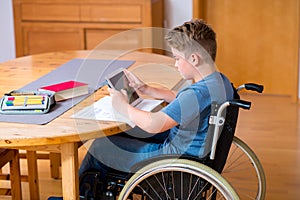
(176, 64)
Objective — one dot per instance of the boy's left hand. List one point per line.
(119, 99)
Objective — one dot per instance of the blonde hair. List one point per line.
(184, 37)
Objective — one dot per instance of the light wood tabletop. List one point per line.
(64, 133)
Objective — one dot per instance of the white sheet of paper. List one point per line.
(103, 110)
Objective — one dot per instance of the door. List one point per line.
(258, 41)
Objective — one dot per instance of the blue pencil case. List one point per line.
(27, 102)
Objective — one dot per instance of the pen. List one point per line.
(21, 93)
(26, 102)
(25, 97)
(34, 102)
(14, 104)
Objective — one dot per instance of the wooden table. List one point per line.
(63, 134)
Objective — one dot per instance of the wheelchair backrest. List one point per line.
(225, 138)
(226, 134)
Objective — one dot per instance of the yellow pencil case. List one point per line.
(27, 102)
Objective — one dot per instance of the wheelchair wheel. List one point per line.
(244, 171)
(177, 179)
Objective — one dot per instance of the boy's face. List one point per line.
(185, 68)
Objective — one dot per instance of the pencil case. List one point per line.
(27, 102)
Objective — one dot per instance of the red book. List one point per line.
(67, 90)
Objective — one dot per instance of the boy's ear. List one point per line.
(195, 59)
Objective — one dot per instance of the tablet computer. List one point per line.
(118, 80)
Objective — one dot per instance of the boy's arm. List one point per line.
(151, 122)
(156, 122)
(159, 93)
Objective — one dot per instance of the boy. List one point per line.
(181, 126)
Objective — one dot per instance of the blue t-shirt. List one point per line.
(191, 110)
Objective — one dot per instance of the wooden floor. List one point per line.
(271, 128)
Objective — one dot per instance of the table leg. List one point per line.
(69, 165)
(33, 175)
(55, 163)
(15, 177)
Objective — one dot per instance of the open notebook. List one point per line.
(103, 110)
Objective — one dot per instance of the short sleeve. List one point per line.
(185, 107)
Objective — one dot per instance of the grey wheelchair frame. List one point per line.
(231, 170)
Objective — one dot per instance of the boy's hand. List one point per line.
(134, 81)
(119, 100)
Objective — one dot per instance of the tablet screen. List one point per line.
(119, 81)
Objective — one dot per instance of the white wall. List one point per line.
(177, 12)
(7, 41)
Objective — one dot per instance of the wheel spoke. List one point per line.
(160, 179)
(244, 171)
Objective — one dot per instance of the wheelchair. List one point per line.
(231, 170)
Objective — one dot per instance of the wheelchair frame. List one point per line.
(207, 180)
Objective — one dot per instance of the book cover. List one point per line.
(67, 89)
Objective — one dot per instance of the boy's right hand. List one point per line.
(134, 81)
